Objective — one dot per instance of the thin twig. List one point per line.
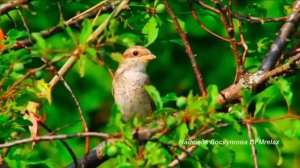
(72, 60)
(84, 124)
(242, 42)
(253, 149)
(227, 21)
(202, 25)
(268, 120)
(251, 19)
(188, 48)
(91, 12)
(55, 137)
(24, 23)
(232, 92)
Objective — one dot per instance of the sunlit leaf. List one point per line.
(87, 29)
(182, 132)
(155, 95)
(150, 30)
(285, 89)
(40, 41)
(72, 35)
(213, 94)
(44, 90)
(169, 97)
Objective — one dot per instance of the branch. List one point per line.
(188, 48)
(227, 21)
(55, 137)
(72, 60)
(252, 81)
(84, 125)
(286, 31)
(91, 12)
(97, 155)
(253, 150)
(251, 19)
(12, 4)
(202, 25)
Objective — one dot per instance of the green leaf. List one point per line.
(15, 34)
(260, 106)
(213, 94)
(87, 29)
(72, 35)
(285, 89)
(91, 52)
(40, 41)
(176, 41)
(169, 97)
(229, 118)
(246, 98)
(150, 30)
(263, 45)
(182, 132)
(81, 65)
(43, 90)
(165, 110)
(237, 111)
(128, 39)
(155, 95)
(280, 158)
(181, 101)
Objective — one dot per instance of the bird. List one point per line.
(128, 85)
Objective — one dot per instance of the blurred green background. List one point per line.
(170, 72)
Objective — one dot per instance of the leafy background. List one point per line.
(171, 72)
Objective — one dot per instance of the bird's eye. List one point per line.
(135, 53)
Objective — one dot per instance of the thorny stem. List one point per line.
(188, 48)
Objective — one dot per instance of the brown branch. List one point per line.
(24, 23)
(202, 25)
(91, 12)
(54, 137)
(12, 4)
(252, 81)
(253, 149)
(242, 42)
(97, 155)
(208, 7)
(263, 120)
(72, 60)
(251, 19)
(189, 51)
(227, 21)
(283, 37)
(84, 124)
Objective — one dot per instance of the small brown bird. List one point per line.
(129, 81)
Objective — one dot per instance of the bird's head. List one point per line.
(136, 57)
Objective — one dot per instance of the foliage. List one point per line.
(186, 117)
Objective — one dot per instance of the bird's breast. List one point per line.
(130, 94)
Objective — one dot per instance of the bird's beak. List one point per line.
(148, 57)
